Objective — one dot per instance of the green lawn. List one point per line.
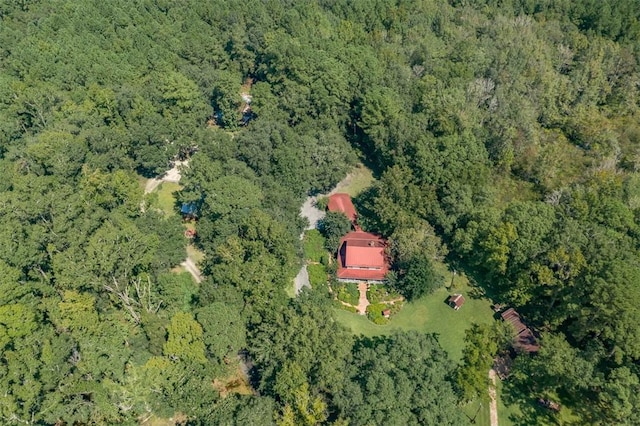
(166, 197)
(431, 314)
(479, 411)
(506, 413)
(517, 408)
(359, 179)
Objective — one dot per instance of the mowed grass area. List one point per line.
(519, 408)
(359, 179)
(431, 314)
(506, 413)
(166, 200)
(479, 411)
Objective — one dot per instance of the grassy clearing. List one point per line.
(194, 254)
(517, 407)
(236, 383)
(506, 413)
(166, 197)
(359, 179)
(290, 291)
(178, 269)
(313, 245)
(431, 314)
(142, 181)
(479, 411)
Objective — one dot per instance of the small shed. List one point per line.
(386, 313)
(189, 211)
(456, 301)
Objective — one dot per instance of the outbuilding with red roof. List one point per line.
(342, 203)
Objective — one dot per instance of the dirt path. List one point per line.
(302, 280)
(493, 401)
(363, 302)
(173, 175)
(151, 185)
(311, 212)
(191, 267)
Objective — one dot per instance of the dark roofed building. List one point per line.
(525, 341)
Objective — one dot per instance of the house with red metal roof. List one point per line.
(342, 203)
(362, 257)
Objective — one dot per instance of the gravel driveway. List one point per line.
(311, 212)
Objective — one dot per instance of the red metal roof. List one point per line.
(362, 274)
(342, 203)
(362, 257)
(456, 299)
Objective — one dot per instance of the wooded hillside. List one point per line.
(504, 134)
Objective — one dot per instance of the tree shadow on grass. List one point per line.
(532, 412)
(482, 286)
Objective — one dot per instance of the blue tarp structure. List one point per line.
(189, 209)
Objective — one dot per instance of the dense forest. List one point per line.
(504, 135)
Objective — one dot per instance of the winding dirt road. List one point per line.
(493, 400)
(173, 175)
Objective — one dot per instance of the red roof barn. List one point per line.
(342, 203)
(362, 257)
(525, 340)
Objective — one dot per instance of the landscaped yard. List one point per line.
(479, 411)
(347, 292)
(431, 314)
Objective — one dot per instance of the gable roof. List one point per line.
(456, 299)
(342, 203)
(362, 257)
(525, 340)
